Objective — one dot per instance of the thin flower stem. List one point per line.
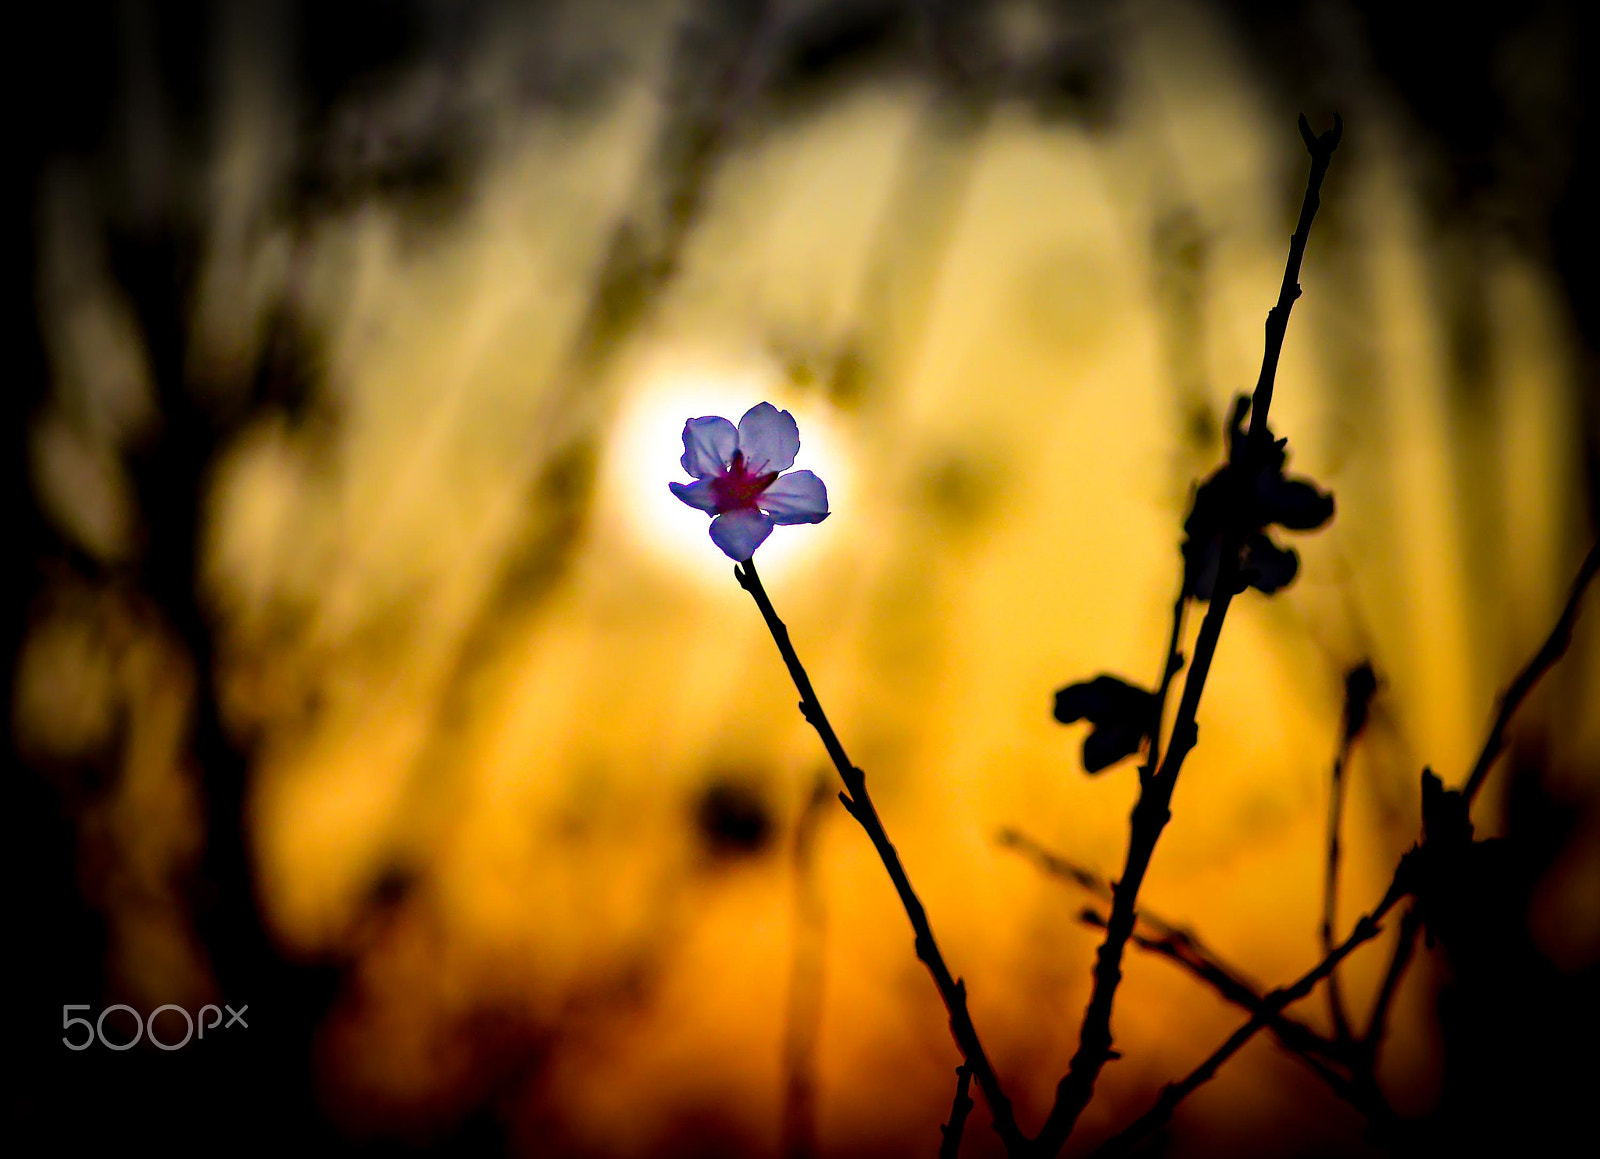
(1272, 1004)
(1152, 812)
(950, 1144)
(858, 803)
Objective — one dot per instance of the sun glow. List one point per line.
(647, 442)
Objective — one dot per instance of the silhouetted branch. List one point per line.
(1553, 648)
(805, 985)
(950, 1147)
(858, 803)
(1292, 1034)
(1410, 926)
(1400, 885)
(1182, 940)
(1170, 666)
(1271, 1005)
(1151, 813)
(1183, 948)
(1549, 652)
(1330, 893)
(1359, 686)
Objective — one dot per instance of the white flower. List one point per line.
(738, 480)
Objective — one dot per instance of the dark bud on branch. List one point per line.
(1121, 714)
(1360, 686)
(1446, 822)
(1453, 874)
(1247, 496)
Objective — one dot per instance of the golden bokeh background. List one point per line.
(516, 754)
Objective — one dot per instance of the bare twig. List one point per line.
(1182, 940)
(1549, 652)
(1410, 926)
(950, 1146)
(1359, 686)
(805, 985)
(1180, 946)
(858, 803)
(1170, 666)
(1330, 892)
(1554, 646)
(1152, 812)
(1367, 928)
(1272, 1004)
(1292, 1034)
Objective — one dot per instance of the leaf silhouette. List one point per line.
(1248, 499)
(1121, 714)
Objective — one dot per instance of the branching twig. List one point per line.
(1272, 1004)
(1359, 686)
(1151, 813)
(858, 803)
(1330, 894)
(1180, 944)
(1410, 927)
(1182, 947)
(1295, 1036)
(805, 985)
(1367, 928)
(1170, 667)
(1549, 652)
(1554, 646)
(950, 1146)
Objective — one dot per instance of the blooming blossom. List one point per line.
(739, 480)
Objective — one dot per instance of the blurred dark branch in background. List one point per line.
(803, 1018)
(1359, 686)
(719, 59)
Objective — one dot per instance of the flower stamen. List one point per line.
(737, 489)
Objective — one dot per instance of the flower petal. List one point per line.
(740, 532)
(708, 446)
(769, 439)
(798, 497)
(698, 494)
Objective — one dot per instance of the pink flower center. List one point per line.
(736, 488)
